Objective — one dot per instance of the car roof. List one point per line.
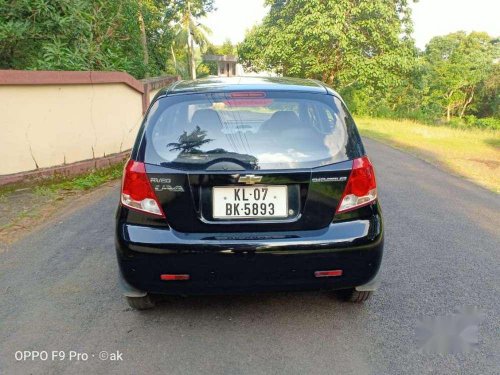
(224, 84)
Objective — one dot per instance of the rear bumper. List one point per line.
(249, 262)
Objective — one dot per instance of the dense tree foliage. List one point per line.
(227, 48)
(341, 42)
(457, 65)
(136, 36)
(127, 35)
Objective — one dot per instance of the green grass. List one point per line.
(83, 182)
(50, 187)
(29, 203)
(471, 153)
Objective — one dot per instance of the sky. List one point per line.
(430, 17)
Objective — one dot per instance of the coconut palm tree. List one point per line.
(189, 31)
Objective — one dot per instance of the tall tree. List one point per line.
(457, 64)
(341, 42)
(144, 38)
(189, 30)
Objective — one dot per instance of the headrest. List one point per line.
(282, 120)
(206, 118)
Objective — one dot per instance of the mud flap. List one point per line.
(128, 290)
(370, 286)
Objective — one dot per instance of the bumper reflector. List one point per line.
(173, 277)
(330, 273)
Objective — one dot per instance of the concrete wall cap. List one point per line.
(47, 77)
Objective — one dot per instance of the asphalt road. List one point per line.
(59, 291)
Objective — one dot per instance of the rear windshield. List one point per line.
(249, 130)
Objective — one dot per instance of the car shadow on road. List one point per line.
(264, 303)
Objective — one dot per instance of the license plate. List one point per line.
(250, 202)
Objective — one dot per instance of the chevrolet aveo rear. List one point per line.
(236, 188)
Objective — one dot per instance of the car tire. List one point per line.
(355, 296)
(141, 303)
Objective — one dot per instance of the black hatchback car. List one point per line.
(244, 185)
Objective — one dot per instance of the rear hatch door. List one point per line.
(249, 161)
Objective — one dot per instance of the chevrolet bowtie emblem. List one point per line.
(250, 179)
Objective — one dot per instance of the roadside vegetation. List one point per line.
(57, 184)
(82, 182)
(142, 37)
(29, 204)
(471, 153)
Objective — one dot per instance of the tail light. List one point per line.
(137, 192)
(174, 277)
(361, 188)
(247, 94)
(330, 273)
